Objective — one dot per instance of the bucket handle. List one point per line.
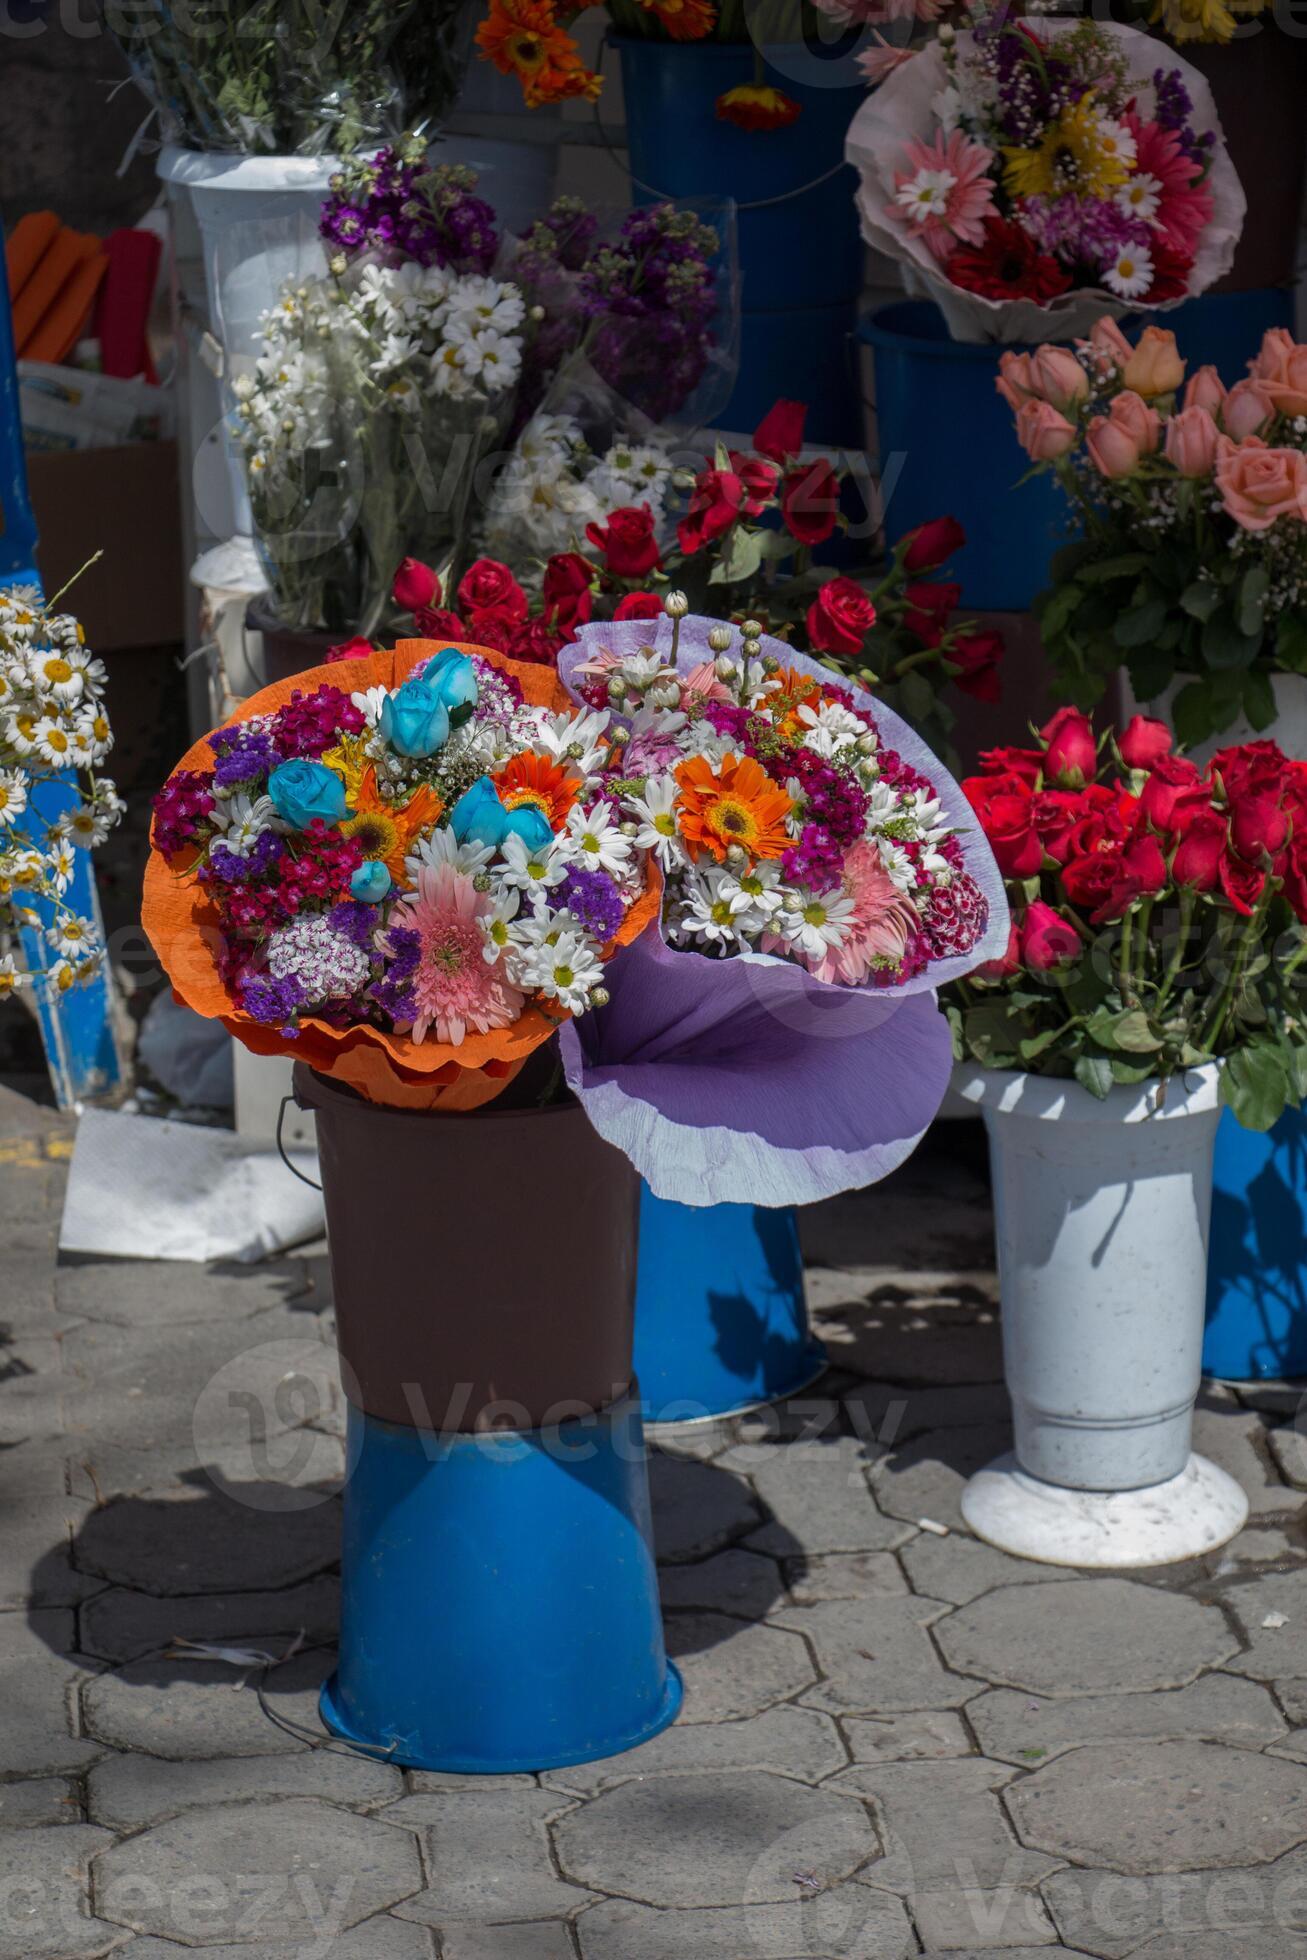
(281, 1148)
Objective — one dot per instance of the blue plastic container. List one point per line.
(721, 1323)
(1257, 1265)
(947, 447)
(800, 251)
(499, 1598)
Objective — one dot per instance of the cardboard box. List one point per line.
(125, 502)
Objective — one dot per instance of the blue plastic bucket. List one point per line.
(721, 1323)
(947, 447)
(499, 1598)
(800, 251)
(1257, 1266)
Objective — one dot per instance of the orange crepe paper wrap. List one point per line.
(183, 925)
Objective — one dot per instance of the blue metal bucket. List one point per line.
(1257, 1265)
(947, 446)
(499, 1598)
(721, 1323)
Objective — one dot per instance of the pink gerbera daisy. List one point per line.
(946, 195)
(1184, 206)
(454, 987)
(884, 921)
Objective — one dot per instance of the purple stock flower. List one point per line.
(392, 205)
(594, 902)
(243, 755)
(273, 1001)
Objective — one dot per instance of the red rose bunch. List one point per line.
(1158, 912)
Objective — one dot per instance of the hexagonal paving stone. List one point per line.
(42, 1800)
(125, 1792)
(994, 1921)
(1088, 1636)
(1113, 1914)
(731, 1669)
(817, 1494)
(182, 1709)
(877, 1656)
(922, 1735)
(122, 1626)
(383, 1938)
(961, 1569)
(1215, 1708)
(1236, 1439)
(271, 1871)
(1278, 1651)
(844, 1575)
(537, 1939)
(201, 1542)
(696, 1507)
(731, 1582)
(487, 1857)
(925, 1478)
(713, 1840)
(850, 1921)
(38, 1681)
(46, 1896)
(792, 1741)
(943, 1826)
(1183, 1806)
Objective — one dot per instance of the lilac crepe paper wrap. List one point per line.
(746, 1080)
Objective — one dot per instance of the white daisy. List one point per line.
(831, 727)
(442, 847)
(574, 738)
(11, 977)
(1140, 196)
(708, 914)
(655, 813)
(531, 872)
(755, 896)
(564, 966)
(593, 840)
(497, 928)
(61, 865)
(1130, 273)
(926, 194)
(73, 937)
(818, 921)
(13, 795)
(54, 742)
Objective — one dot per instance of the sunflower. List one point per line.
(537, 782)
(1082, 152)
(736, 803)
(386, 832)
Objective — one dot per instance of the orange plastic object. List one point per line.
(62, 325)
(46, 282)
(28, 242)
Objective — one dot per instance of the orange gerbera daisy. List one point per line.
(522, 38)
(387, 832)
(736, 803)
(539, 783)
(684, 20)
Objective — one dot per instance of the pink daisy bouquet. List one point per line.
(1026, 174)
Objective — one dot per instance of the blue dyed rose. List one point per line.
(454, 676)
(304, 791)
(370, 882)
(531, 826)
(415, 719)
(480, 818)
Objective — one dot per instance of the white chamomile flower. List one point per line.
(564, 966)
(898, 866)
(500, 359)
(1130, 273)
(708, 913)
(55, 675)
(54, 742)
(62, 975)
(87, 825)
(72, 937)
(245, 821)
(831, 728)
(20, 732)
(1114, 141)
(13, 795)
(497, 927)
(61, 865)
(756, 895)
(592, 840)
(487, 303)
(1140, 195)
(926, 194)
(93, 727)
(531, 872)
(818, 921)
(11, 975)
(369, 702)
(655, 813)
(442, 847)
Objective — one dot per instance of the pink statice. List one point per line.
(946, 194)
(454, 987)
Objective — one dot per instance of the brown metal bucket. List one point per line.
(483, 1262)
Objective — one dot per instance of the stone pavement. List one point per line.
(896, 1741)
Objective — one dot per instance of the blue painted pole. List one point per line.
(1257, 1265)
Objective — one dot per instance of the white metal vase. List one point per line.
(1102, 1212)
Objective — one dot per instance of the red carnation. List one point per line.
(627, 542)
(1009, 265)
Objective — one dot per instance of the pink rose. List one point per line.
(1108, 344)
(1286, 384)
(1205, 389)
(1112, 449)
(1043, 433)
(1246, 410)
(1277, 344)
(1142, 423)
(1057, 376)
(1155, 366)
(1191, 439)
(1259, 485)
(1014, 380)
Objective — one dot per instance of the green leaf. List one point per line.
(1068, 559)
(1201, 598)
(1291, 641)
(1034, 1045)
(1225, 644)
(1192, 714)
(1094, 1072)
(1252, 599)
(1151, 671)
(1059, 610)
(1141, 624)
(916, 696)
(1133, 1032)
(1255, 1083)
(1128, 565)
(992, 1033)
(741, 559)
(1128, 1073)
(1259, 698)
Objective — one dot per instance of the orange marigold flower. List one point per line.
(538, 783)
(736, 803)
(522, 38)
(386, 831)
(755, 105)
(684, 20)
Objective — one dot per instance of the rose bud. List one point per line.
(1155, 367)
(1191, 439)
(1047, 939)
(1070, 751)
(1144, 742)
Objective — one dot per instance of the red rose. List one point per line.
(840, 617)
(715, 502)
(415, 586)
(1026, 763)
(1057, 815)
(1243, 884)
(810, 501)
(357, 649)
(1008, 964)
(759, 480)
(536, 641)
(1174, 794)
(929, 607)
(1091, 881)
(638, 605)
(976, 657)
(1295, 877)
(1144, 742)
(1143, 868)
(627, 543)
(1070, 751)
(489, 586)
(568, 600)
(780, 433)
(1047, 939)
(433, 623)
(930, 544)
(1106, 822)
(1259, 826)
(493, 627)
(1005, 808)
(1249, 765)
(1199, 854)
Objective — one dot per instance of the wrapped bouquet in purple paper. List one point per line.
(775, 1038)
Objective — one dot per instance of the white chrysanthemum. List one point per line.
(755, 896)
(503, 937)
(533, 873)
(74, 938)
(573, 738)
(243, 821)
(369, 701)
(832, 728)
(707, 913)
(442, 847)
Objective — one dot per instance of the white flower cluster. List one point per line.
(52, 723)
(554, 486)
(415, 333)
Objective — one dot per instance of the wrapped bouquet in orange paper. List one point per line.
(403, 869)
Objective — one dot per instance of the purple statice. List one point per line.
(816, 861)
(182, 809)
(1174, 104)
(593, 901)
(392, 993)
(228, 867)
(310, 724)
(275, 1001)
(243, 754)
(831, 797)
(392, 206)
(357, 921)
